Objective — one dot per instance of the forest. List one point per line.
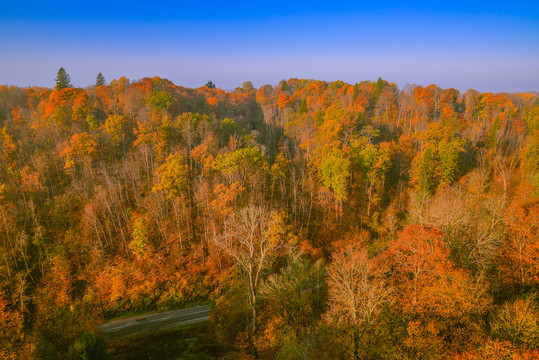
(319, 220)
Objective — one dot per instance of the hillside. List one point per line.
(321, 220)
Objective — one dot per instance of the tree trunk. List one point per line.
(253, 314)
(356, 343)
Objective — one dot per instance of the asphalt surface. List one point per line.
(159, 321)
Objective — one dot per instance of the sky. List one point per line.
(484, 45)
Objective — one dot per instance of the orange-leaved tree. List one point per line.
(519, 260)
(432, 292)
(11, 332)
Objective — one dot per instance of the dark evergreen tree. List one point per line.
(210, 85)
(100, 80)
(62, 80)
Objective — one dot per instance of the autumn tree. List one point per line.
(245, 165)
(172, 176)
(11, 331)
(139, 235)
(79, 151)
(357, 294)
(115, 127)
(473, 223)
(172, 180)
(294, 298)
(192, 126)
(159, 100)
(520, 252)
(431, 291)
(335, 171)
(518, 322)
(497, 350)
(9, 148)
(530, 153)
(279, 174)
(228, 128)
(248, 87)
(374, 162)
(436, 166)
(251, 237)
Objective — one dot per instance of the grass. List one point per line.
(186, 342)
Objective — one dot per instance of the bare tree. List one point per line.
(357, 292)
(251, 237)
(473, 225)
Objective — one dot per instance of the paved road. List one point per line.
(159, 321)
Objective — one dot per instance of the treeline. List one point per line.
(322, 220)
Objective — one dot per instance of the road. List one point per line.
(159, 321)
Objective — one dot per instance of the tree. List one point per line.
(431, 293)
(251, 238)
(115, 126)
(519, 261)
(89, 347)
(357, 293)
(295, 299)
(530, 153)
(228, 128)
(11, 331)
(81, 148)
(100, 80)
(518, 322)
(62, 80)
(245, 165)
(335, 173)
(374, 161)
(248, 87)
(498, 350)
(172, 179)
(210, 85)
(473, 225)
(192, 127)
(172, 176)
(139, 234)
(159, 100)
(418, 258)
(448, 154)
(422, 171)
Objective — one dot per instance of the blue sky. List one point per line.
(486, 45)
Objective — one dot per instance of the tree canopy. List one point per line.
(320, 220)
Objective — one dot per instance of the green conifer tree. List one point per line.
(100, 80)
(62, 80)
